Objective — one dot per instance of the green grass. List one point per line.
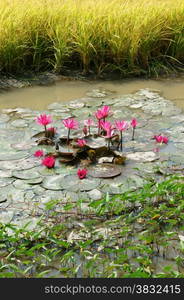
(117, 236)
(143, 37)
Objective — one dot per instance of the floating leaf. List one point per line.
(53, 182)
(21, 184)
(19, 123)
(22, 164)
(105, 171)
(73, 184)
(5, 181)
(27, 174)
(5, 173)
(143, 156)
(13, 155)
(23, 145)
(96, 143)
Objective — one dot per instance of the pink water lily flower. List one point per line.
(106, 125)
(39, 153)
(102, 113)
(99, 115)
(43, 120)
(82, 173)
(81, 142)
(106, 111)
(121, 126)
(161, 139)
(70, 123)
(134, 125)
(88, 123)
(49, 162)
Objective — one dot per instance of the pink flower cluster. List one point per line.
(47, 161)
(161, 139)
(105, 128)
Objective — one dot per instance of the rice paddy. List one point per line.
(131, 37)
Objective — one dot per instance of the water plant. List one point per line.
(82, 173)
(44, 120)
(121, 126)
(49, 162)
(161, 139)
(134, 125)
(111, 239)
(70, 124)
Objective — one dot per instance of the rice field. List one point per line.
(134, 37)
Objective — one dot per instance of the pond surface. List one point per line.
(38, 97)
(30, 191)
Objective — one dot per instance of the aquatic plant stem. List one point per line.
(99, 127)
(121, 141)
(68, 136)
(133, 134)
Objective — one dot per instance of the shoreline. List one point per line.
(10, 82)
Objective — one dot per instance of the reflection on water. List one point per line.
(39, 97)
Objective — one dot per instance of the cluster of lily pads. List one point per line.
(81, 148)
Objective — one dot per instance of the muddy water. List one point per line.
(39, 97)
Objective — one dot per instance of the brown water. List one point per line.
(39, 97)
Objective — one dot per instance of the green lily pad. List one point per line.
(46, 171)
(5, 173)
(76, 105)
(23, 164)
(34, 180)
(5, 181)
(53, 182)
(96, 142)
(57, 106)
(23, 145)
(19, 123)
(21, 184)
(105, 171)
(74, 184)
(13, 155)
(4, 118)
(26, 174)
(143, 156)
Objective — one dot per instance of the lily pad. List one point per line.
(13, 155)
(105, 171)
(57, 106)
(34, 180)
(53, 182)
(26, 174)
(5, 181)
(4, 118)
(143, 156)
(19, 123)
(73, 184)
(76, 105)
(5, 173)
(22, 164)
(23, 145)
(96, 142)
(21, 184)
